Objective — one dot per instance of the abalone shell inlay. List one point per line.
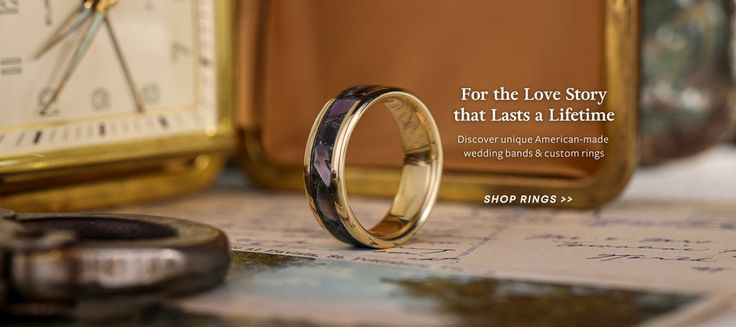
(320, 184)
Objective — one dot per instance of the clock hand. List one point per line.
(71, 24)
(97, 20)
(124, 65)
(100, 11)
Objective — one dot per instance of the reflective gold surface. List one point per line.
(129, 171)
(619, 71)
(420, 176)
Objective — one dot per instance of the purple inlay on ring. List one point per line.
(340, 107)
(321, 162)
(319, 181)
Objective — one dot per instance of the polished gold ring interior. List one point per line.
(324, 166)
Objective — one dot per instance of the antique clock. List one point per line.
(109, 101)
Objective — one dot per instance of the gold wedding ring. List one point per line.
(324, 166)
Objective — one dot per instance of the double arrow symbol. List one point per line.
(565, 199)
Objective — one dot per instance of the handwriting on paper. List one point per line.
(669, 245)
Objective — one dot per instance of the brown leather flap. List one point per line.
(297, 54)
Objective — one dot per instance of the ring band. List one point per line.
(324, 166)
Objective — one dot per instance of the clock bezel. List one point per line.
(133, 171)
(217, 140)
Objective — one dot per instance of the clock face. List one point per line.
(149, 72)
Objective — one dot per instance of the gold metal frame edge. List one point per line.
(204, 152)
(621, 53)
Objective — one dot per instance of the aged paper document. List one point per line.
(655, 245)
(672, 233)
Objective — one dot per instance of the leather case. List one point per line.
(294, 55)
